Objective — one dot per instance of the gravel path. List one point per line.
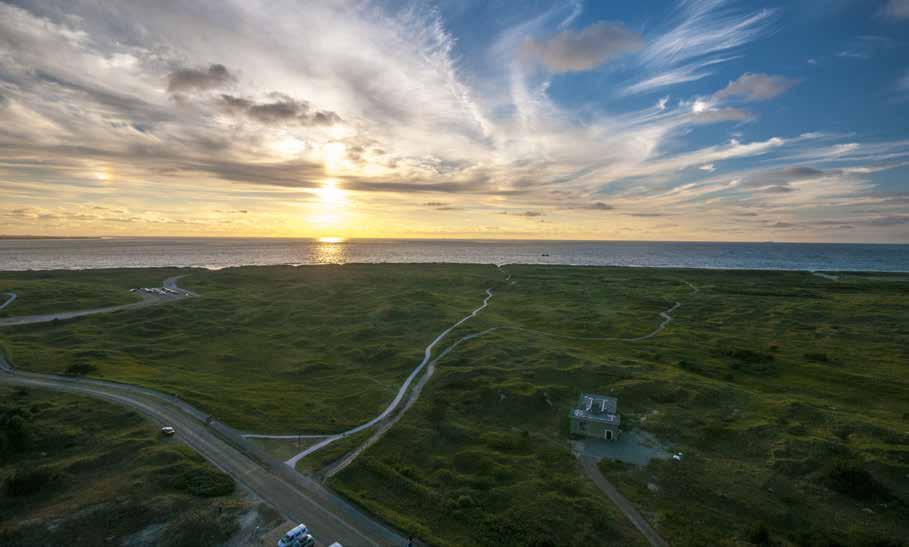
(590, 468)
(12, 296)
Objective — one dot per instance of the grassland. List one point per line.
(787, 392)
(79, 472)
(272, 350)
(64, 290)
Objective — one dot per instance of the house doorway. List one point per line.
(609, 436)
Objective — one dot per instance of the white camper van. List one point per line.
(298, 536)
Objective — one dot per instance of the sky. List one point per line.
(721, 120)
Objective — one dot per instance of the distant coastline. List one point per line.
(2, 236)
(215, 253)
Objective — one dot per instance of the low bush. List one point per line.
(851, 479)
(197, 480)
(25, 482)
(81, 369)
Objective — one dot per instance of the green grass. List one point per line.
(64, 290)
(75, 471)
(787, 392)
(275, 349)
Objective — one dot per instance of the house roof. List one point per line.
(599, 408)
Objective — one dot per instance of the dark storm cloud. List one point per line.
(186, 80)
(281, 109)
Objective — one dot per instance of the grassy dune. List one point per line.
(65, 290)
(277, 349)
(75, 471)
(787, 392)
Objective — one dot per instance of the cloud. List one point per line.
(705, 33)
(198, 79)
(709, 167)
(755, 87)
(897, 9)
(894, 220)
(778, 181)
(574, 51)
(280, 109)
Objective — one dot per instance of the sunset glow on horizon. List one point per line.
(690, 120)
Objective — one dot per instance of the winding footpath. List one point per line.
(427, 355)
(296, 497)
(388, 419)
(12, 296)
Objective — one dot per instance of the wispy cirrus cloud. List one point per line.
(374, 102)
(705, 33)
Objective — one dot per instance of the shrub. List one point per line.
(25, 482)
(759, 535)
(197, 480)
(198, 528)
(80, 369)
(851, 479)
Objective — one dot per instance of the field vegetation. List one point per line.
(75, 471)
(786, 392)
(272, 350)
(65, 290)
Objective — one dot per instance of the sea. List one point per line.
(216, 253)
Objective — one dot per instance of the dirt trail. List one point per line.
(12, 296)
(589, 466)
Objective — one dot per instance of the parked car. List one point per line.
(296, 536)
(168, 430)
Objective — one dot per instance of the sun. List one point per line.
(333, 156)
(330, 194)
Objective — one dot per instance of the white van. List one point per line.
(294, 537)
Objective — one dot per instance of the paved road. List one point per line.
(589, 466)
(297, 498)
(12, 296)
(147, 300)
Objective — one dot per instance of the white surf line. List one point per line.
(12, 296)
(427, 354)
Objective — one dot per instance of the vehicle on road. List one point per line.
(168, 430)
(298, 536)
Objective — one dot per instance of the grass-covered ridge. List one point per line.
(74, 471)
(67, 290)
(270, 349)
(786, 391)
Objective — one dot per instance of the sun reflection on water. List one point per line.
(330, 250)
